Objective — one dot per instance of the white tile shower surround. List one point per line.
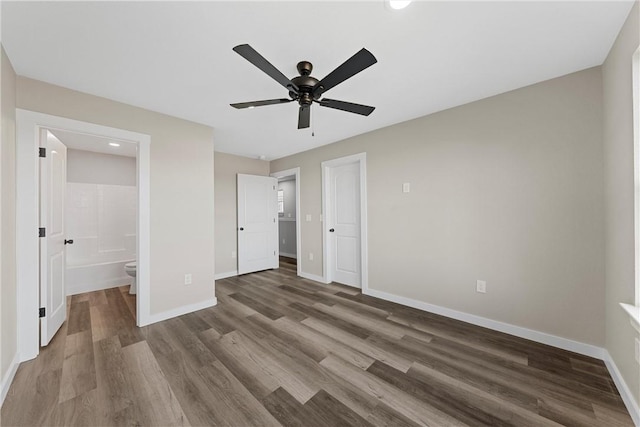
(101, 219)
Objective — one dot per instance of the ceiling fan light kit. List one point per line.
(306, 89)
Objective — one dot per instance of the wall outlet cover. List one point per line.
(481, 286)
(188, 279)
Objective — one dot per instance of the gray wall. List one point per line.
(508, 189)
(99, 168)
(287, 223)
(8, 313)
(619, 199)
(227, 167)
(181, 182)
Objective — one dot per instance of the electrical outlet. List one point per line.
(233, 254)
(308, 217)
(481, 286)
(187, 279)
(406, 187)
(310, 256)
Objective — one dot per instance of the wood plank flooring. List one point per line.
(280, 350)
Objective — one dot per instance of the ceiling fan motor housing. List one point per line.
(305, 83)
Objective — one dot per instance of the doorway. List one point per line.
(29, 126)
(344, 209)
(289, 241)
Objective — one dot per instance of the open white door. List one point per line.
(344, 224)
(53, 178)
(257, 223)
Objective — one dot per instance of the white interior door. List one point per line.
(53, 178)
(344, 224)
(257, 223)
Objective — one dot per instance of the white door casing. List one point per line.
(53, 178)
(344, 208)
(257, 223)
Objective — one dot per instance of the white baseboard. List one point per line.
(221, 276)
(623, 389)
(294, 256)
(179, 311)
(92, 286)
(518, 331)
(7, 379)
(313, 277)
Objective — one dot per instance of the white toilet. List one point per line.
(130, 269)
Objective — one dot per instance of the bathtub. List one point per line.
(94, 277)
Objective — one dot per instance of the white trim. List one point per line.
(293, 172)
(636, 166)
(8, 377)
(313, 277)
(284, 254)
(28, 124)
(221, 276)
(518, 331)
(179, 311)
(623, 389)
(361, 160)
(634, 313)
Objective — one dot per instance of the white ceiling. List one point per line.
(177, 58)
(96, 144)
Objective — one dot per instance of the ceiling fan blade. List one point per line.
(304, 116)
(352, 66)
(250, 54)
(261, 103)
(365, 110)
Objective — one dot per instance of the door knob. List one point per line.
(68, 242)
(331, 230)
(241, 228)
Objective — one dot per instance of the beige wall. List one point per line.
(8, 313)
(227, 166)
(508, 189)
(181, 184)
(619, 200)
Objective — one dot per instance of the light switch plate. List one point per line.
(406, 187)
(308, 217)
(481, 286)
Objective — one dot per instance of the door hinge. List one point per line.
(41, 232)
(42, 152)
(42, 312)
(274, 253)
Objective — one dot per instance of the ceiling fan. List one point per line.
(306, 89)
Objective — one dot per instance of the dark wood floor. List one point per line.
(279, 350)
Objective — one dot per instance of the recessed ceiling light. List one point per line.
(251, 107)
(114, 144)
(399, 4)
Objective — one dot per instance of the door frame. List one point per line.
(361, 160)
(281, 174)
(28, 126)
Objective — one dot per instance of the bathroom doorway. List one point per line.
(30, 126)
(289, 218)
(90, 205)
(101, 207)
